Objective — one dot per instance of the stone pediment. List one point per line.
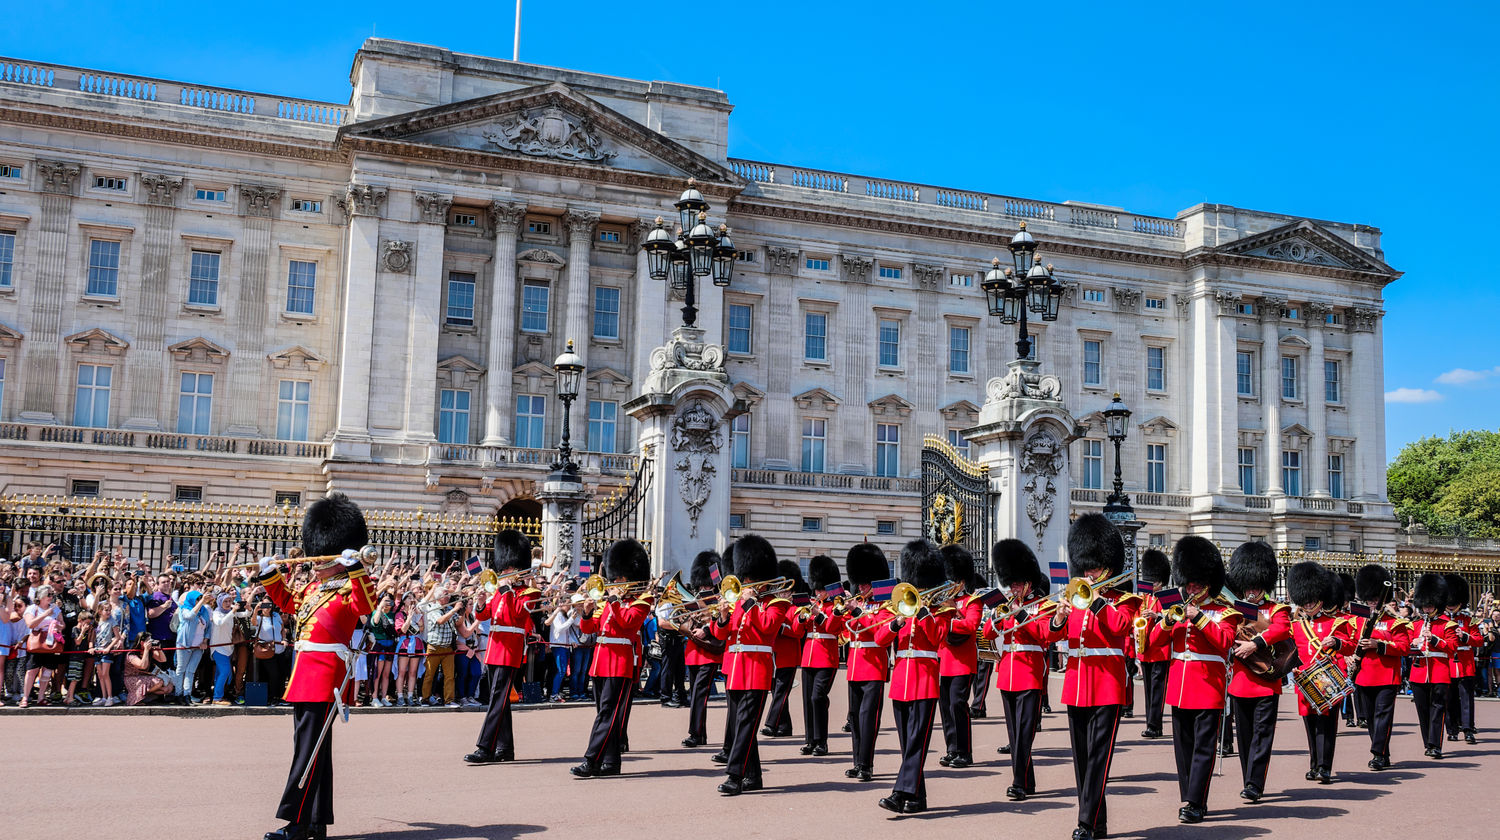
(1305, 243)
(963, 410)
(816, 400)
(459, 372)
(749, 393)
(198, 350)
(890, 405)
(534, 369)
(296, 357)
(1159, 425)
(9, 337)
(98, 340)
(541, 256)
(550, 122)
(607, 376)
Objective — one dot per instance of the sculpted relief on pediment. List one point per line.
(550, 132)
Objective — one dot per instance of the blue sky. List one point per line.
(1373, 112)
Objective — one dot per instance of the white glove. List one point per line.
(349, 557)
(265, 566)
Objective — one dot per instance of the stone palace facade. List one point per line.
(241, 298)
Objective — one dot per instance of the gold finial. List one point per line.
(702, 215)
(995, 263)
(692, 182)
(1023, 226)
(1117, 395)
(659, 221)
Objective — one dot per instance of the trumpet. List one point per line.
(367, 554)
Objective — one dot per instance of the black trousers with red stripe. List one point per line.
(611, 703)
(914, 725)
(1380, 710)
(701, 684)
(1154, 675)
(745, 707)
(1459, 717)
(1023, 717)
(314, 803)
(1195, 741)
(981, 688)
(816, 684)
(866, 702)
(1430, 700)
(1255, 728)
(1091, 731)
(779, 717)
(958, 733)
(1322, 737)
(495, 735)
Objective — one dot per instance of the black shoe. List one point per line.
(1100, 833)
(895, 803)
(1190, 814)
(1469, 738)
(852, 772)
(819, 750)
(807, 749)
(1453, 736)
(487, 757)
(1226, 751)
(608, 771)
(1379, 763)
(946, 760)
(1130, 713)
(1015, 794)
(720, 757)
(960, 762)
(865, 774)
(1325, 777)
(976, 715)
(1047, 710)
(1437, 754)
(1082, 834)
(1312, 775)
(291, 831)
(584, 770)
(912, 806)
(846, 727)
(1250, 794)
(1150, 733)
(1429, 752)
(690, 742)
(768, 732)
(1005, 750)
(1348, 723)
(671, 704)
(1362, 723)
(784, 733)
(749, 785)
(624, 746)
(731, 787)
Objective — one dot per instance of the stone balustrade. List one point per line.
(826, 481)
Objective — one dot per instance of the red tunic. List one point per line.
(1023, 652)
(915, 675)
(820, 648)
(1200, 657)
(1242, 682)
(509, 614)
(618, 626)
(869, 646)
(1431, 657)
(788, 644)
(749, 660)
(1096, 652)
(327, 614)
(961, 622)
(1382, 666)
(1468, 640)
(1158, 640)
(695, 653)
(1309, 635)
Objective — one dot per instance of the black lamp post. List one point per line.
(697, 251)
(1116, 420)
(1026, 287)
(569, 370)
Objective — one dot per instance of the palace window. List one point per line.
(203, 278)
(202, 194)
(737, 521)
(602, 416)
(1156, 303)
(109, 182)
(7, 258)
(195, 402)
(606, 312)
(1336, 476)
(460, 312)
(812, 523)
(531, 421)
(890, 272)
(1244, 374)
(293, 403)
(1093, 373)
(91, 396)
(307, 205)
(301, 286)
(1156, 468)
(1331, 392)
(958, 349)
(740, 316)
(814, 442)
(1156, 368)
(1289, 377)
(464, 219)
(887, 449)
(453, 416)
(1093, 464)
(817, 263)
(104, 268)
(963, 281)
(8, 170)
(1247, 470)
(739, 441)
(890, 342)
(960, 443)
(1093, 295)
(534, 300)
(815, 335)
(1291, 473)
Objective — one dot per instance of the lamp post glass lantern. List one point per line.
(1026, 287)
(1116, 422)
(698, 250)
(569, 370)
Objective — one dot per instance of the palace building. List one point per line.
(233, 297)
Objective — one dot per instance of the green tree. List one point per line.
(1451, 485)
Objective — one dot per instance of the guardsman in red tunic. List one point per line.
(914, 676)
(1021, 639)
(1155, 657)
(749, 625)
(617, 623)
(959, 658)
(1345, 595)
(328, 610)
(1459, 719)
(1383, 640)
(819, 625)
(1319, 634)
(1201, 643)
(869, 655)
(1434, 640)
(1094, 686)
(1253, 572)
(509, 614)
(702, 652)
(788, 656)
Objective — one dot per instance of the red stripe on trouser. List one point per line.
(1109, 756)
(504, 701)
(623, 704)
(921, 791)
(759, 707)
(302, 805)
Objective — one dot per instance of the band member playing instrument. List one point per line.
(509, 614)
(1254, 684)
(1459, 719)
(1376, 666)
(1320, 634)
(914, 677)
(328, 610)
(980, 690)
(703, 653)
(869, 659)
(617, 621)
(750, 625)
(1345, 596)
(1021, 639)
(1434, 640)
(1155, 656)
(1094, 686)
(788, 656)
(959, 661)
(1201, 642)
(820, 625)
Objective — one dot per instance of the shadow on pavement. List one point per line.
(448, 831)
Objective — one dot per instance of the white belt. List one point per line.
(1024, 649)
(506, 628)
(865, 645)
(1077, 653)
(1465, 647)
(325, 647)
(612, 640)
(1194, 656)
(751, 649)
(917, 654)
(1434, 654)
(821, 636)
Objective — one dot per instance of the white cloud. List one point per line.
(1412, 395)
(1464, 376)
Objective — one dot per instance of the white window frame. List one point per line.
(1156, 468)
(113, 272)
(808, 318)
(608, 335)
(214, 195)
(1160, 369)
(814, 444)
(732, 331)
(817, 263)
(454, 415)
(739, 441)
(539, 420)
(210, 284)
(293, 409)
(1092, 477)
(307, 205)
(454, 317)
(1291, 472)
(93, 390)
(1293, 381)
(1098, 363)
(1094, 296)
(195, 407)
(884, 341)
(890, 272)
(1333, 382)
(1245, 463)
(546, 311)
(8, 239)
(603, 432)
(1336, 474)
(960, 359)
(1245, 377)
(888, 450)
(296, 269)
(961, 281)
(1156, 303)
(959, 443)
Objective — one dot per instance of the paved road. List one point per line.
(400, 777)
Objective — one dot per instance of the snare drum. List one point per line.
(1323, 684)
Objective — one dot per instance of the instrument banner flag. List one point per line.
(1169, 597)
(882, 589)
(585, 567)
(991, 598)
(1248, 610)
(801, 600)
(833, 590)
(1144, 587)
(1058, 570)
(1359, 610)
(475, 564)
(714, 574)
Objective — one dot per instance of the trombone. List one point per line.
(596, 588)
(731, 589)
(1078, 594)
(906, 600)
(491, 582)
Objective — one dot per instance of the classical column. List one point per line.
(1270, 388)
(782, 341)
(362, 203)
(247, 365)
(1317, 412)
(929, 343)
(649, 325)
(1367, 385)
(423, 320)
(1215, 427)
(146, 366)
(505, 219)
(854, 329)
(44, 397)
(581, 226)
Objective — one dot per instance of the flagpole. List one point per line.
(515, 54)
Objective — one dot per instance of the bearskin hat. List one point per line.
(958, 564)
(1196, 560)
(1155, 567)
(332, 524)
(921, 564)
(866, 563)
(1431, 592)
(1370, 583)
(701, 576)
(1253, 568)
(626, 560)
(1309, 583)
(1014, 563)
(792, 570)
(822, 572)
(754, 559)
(1345, 592)
(1095, 543)
(1458, 590)
(512, 551)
